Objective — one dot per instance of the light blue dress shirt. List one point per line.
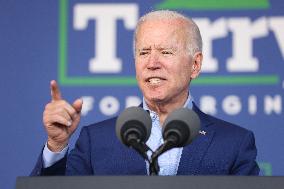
(168, 161)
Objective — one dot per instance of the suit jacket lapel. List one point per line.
(192, 154)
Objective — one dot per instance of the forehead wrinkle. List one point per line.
(171, 43)
(159, 48)
(176, 36)
(166, 47)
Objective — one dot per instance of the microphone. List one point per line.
(179, 129)
(133, 128)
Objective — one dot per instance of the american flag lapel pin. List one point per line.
(202, 132)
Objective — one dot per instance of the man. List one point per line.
(168, 55)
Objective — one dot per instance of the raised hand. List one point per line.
(60, 119)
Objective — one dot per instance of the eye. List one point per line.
(141, 53)
(167, 52)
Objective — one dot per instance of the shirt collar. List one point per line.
(187, 104)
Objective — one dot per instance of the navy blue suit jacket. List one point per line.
(225, 149)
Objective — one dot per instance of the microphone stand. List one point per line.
(142, 148)
(133, 141)
(154, 167)
(169, 143)
(138, 145)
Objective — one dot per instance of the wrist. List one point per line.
(55, 146)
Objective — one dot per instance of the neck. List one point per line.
(163, 109)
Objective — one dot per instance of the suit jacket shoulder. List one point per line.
(222, 148)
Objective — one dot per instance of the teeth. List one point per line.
(154, 80)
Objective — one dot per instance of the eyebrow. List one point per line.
(158, 48)
(144, 48)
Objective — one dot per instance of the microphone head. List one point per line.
(183, 124)
(133, 121)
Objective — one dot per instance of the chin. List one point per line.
(154, 94)
(157, 98)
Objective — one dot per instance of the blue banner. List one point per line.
(87, 46)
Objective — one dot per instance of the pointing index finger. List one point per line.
(55, 91)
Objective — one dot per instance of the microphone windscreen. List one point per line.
(133, 119)
(186, 122)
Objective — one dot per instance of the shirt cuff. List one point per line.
(50, 158)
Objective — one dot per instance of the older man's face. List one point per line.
(163, 65)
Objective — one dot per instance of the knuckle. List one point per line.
(48, 120)
(44, 120)
(73, 112)
(60, 110)
(63, 102)
(47, 106)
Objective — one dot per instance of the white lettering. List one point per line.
(109, 105)
(272, 104)
(276, 24)
(132, 101)
(252, 104)
(88, 103)
(105, 15)
(209, 32)
(243, 34)
(208, 105)
(232, 105)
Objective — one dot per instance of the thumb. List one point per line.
(77, 105)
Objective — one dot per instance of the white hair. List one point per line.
(194, 40)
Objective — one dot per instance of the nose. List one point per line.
(154, 61)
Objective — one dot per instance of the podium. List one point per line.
(149, 182)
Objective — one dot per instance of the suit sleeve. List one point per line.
(245, 163)
(57, 168)
(79, 159)
(77, 162)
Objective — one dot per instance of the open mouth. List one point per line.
(155, 80)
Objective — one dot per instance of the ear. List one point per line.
(196, 64)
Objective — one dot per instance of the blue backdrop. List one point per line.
(87, 46)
